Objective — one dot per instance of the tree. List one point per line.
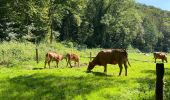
(72, 19)
(115, 23)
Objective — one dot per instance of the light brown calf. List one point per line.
(52, 56)
(72, 57)
(160, 55)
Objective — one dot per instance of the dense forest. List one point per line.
(94, 23)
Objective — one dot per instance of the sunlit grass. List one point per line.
(29, 81)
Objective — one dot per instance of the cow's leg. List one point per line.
(70, 63)
(67, 62)
(56, 64)
(163, 60)
(105, 68)
(45, 64)
(46, 61)
(74, 63)
(49, 63)
(155, 60)
(78, 64)
(125, 65)
(120, 66)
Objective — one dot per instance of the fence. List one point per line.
(159, 81)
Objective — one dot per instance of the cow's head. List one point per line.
(90, 66)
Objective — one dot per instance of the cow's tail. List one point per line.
(128, 63)
(126, 55)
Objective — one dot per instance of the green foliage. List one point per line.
(150, 31)
(14, 53)
(95, 23)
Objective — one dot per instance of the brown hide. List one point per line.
(52, 56)
(160, 55)
(72, 57)
(110, 56)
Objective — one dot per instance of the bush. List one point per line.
(21, 54)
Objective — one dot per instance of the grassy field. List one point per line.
(23, 79)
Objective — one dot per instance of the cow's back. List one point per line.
(72, 56)
(110, 56)
(53, 56)
(119, 55)
(103, 57)
(159, 55)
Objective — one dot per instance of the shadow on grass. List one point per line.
(149, 71)
(146, 88)
(37, 68)
(167, 71)
(101, 74)
(148, 84)
(40, 86)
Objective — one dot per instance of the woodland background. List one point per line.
(91, 23)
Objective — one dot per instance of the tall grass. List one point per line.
(19, 54)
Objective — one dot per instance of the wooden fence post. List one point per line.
(90, 56)
(159, 81)
(36, 51)
(3, 53)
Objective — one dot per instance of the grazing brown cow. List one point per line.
(160, 55)
(72, 57)
(52, 56)
(110, 56)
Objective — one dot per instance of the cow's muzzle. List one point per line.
(88, 71)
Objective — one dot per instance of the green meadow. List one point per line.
(21, 78)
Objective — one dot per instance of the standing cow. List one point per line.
(160, 55)
(72, 57)
(53, 56)
(110, 56)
